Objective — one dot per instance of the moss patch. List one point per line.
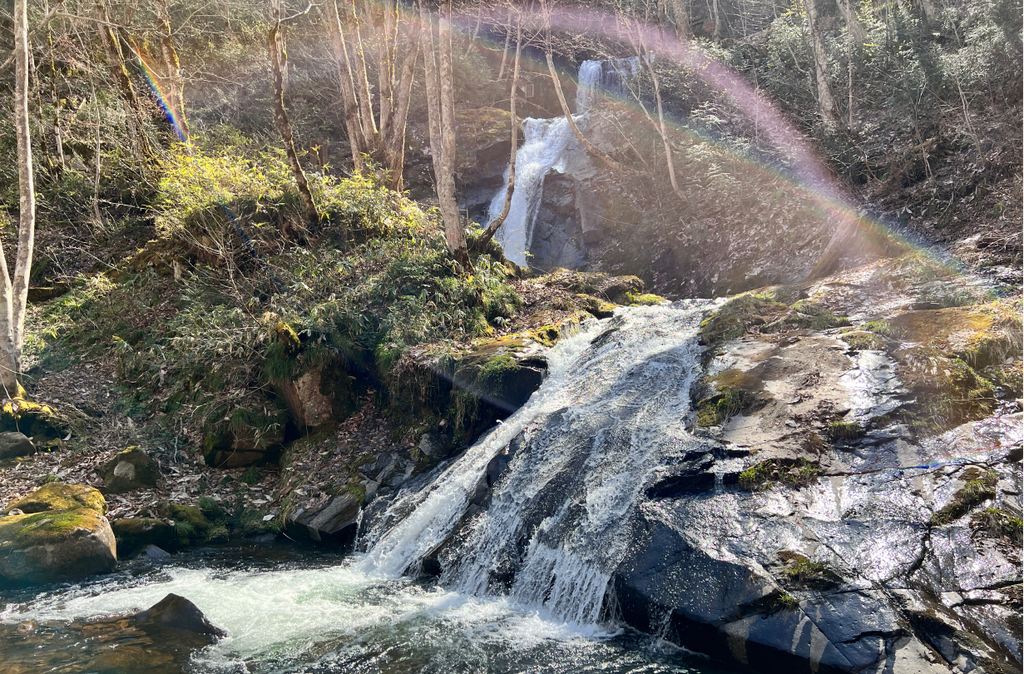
(740, 315)
(789, 472)
(47, 527)
(979, 487)
(56, 496)
(998, 523)
(801, 571)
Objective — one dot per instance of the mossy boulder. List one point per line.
(133, 534)
(60, 534)
(617, 289)
(130, 470)
(189, 523)
(44, 424)
(247, 446)
(56, 497)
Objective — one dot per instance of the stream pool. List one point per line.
(296, 610)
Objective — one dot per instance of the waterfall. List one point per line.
(544, 148)
(581, 451)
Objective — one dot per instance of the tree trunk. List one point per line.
(716, 33)
(353, 126)
(590, 147)
(853, 24)
(441, 122)
(276, 58)
(826, 103)
(681, 16)
(174, 90)
(662, 131)
(393, 136)
(12, 317)
(454, 230)
(493, 226)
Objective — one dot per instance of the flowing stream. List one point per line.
(523, 580)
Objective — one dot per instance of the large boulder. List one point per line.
(13, 444)
(60, 534)
(43, 423)
(130, 470)
(57, 496)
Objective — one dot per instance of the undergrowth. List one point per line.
(195, 319)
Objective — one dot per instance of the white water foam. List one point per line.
(544, 150)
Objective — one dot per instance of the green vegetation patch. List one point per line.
(47, 527)
(863, 340)
(788, 472)
(999, 523)
(740, 315)
(801, 571)
(979, 487)
(841, 431)
(807, 315)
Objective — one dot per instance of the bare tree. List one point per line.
(12, 318)
(441, 122)
(493, 226)
(277, 59)
(382, 137)
(590, 147)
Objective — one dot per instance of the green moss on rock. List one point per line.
(57, 496)
(978, 488)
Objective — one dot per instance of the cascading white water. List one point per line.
(586, 444)
(544, 147)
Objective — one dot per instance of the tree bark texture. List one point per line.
(12, 317)
(826, 103)
(441, 122)
(276, 58)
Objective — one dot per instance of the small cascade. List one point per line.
(544, 150)
(581, 452)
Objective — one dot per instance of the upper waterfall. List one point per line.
(580, 453)
(544, 148)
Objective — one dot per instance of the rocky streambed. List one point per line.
(845, 495)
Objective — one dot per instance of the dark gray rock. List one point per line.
(176, 612)
(13, 444)
(556, 239)
(335, 524)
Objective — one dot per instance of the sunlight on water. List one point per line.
(336, 619)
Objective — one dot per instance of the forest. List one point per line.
(710, 306)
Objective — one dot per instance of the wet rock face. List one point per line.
(42, 542)
(557, 236)
(335, 523)
(827, 527)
